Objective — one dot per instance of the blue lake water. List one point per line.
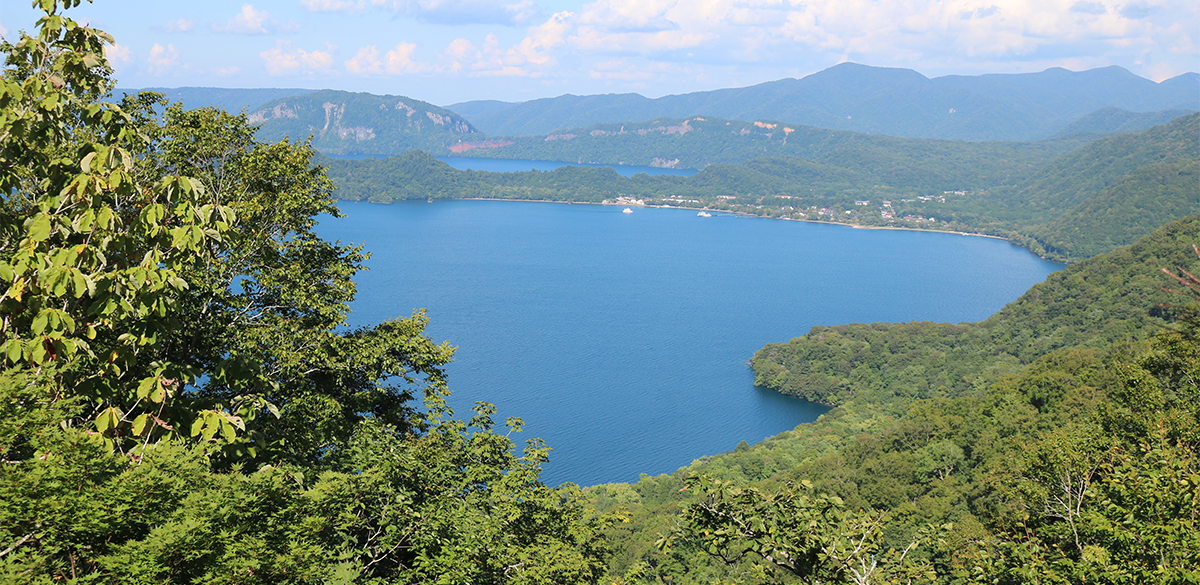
(622, 339)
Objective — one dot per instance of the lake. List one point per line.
(622, 339)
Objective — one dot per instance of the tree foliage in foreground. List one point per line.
(180, 400)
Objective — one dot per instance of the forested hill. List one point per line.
(1095, 303)
(954, 441)
(699, 141)
(876, 100)
(342, 122)
(1111, 120)
(1112, 191)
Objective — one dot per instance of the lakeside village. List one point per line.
(913, 212)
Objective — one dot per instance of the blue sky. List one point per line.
(447, 51)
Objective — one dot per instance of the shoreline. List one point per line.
(740, 215)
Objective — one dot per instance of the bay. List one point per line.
(622, 339)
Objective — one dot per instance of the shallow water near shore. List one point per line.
(622, 339)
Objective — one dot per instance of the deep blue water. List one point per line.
(622, 339)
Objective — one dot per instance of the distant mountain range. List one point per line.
(231, 100)
(849, 96)
(873, 100)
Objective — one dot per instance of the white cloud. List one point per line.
(366, 62)
(226, 71)
(331, 5)
(397, 61)
(880, 32)
(3, 31)
(250, 21)
(118, 55)
(514, 13)
(283, 60)
(162, 59)
(536, 48)
(181, 25)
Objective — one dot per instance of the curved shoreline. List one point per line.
(746, 216)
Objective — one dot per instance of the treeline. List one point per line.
(701, 141)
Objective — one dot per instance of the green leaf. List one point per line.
(86, 163)
(141, 424)
(40, 321)
(106, 218)
(145, 387)
(108, 419)
(13, 348)
(160, 391)
(39, 227)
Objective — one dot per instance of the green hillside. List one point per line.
(941, 425)
(1095, 303)
(701, 141)
(1111, 120)
(348, 123)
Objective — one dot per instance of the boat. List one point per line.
(704, 214)
(627, 210)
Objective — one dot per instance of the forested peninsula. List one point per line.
(182, 401)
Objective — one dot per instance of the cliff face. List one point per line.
(345, 123)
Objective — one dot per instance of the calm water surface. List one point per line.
(622, 339)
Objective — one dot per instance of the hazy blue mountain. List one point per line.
(1058, 96)
(877, 100)
(232, 100)
(1112, 120)
(479, 108)
(347, 123)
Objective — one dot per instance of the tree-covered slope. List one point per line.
(1072, 178)
(342, 122)
(1113, 120)
(701, 141)
(1094, 303)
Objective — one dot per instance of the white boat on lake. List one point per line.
(627, 210)
(704, 214)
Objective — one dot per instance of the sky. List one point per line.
(450, 51)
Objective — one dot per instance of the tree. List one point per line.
(180, 400)
(811, 536)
